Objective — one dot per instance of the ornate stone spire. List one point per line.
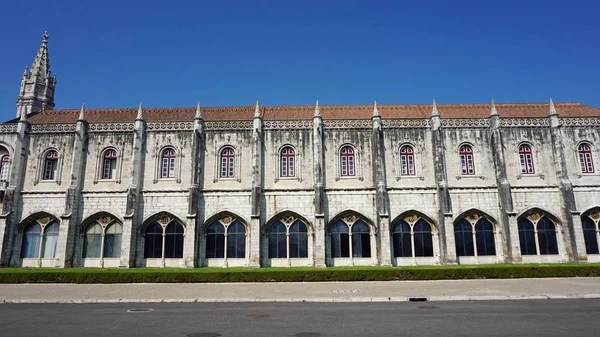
(198, 112)
(494, 111)
(552, 108)
(140, 114)
(82, 113)
(434, 111)
(317, 110)
(257, 110)
(41, 64)
(375, 110)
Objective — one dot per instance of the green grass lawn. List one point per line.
(296, 274)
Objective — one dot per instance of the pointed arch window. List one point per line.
(226, 237)
(4, 167)
(474, 236)
(168, 163)
(410, 232)
(109, 164)
(591, 231)
(526, 159)
(586, 161)
(537, 235)
(163, 238)
(350, 237)
(288, 237)
(40, 239)
(50, 165)
(227, 163)
(288, 162)
(467, 160)
(103, 239)
(347, 161)
(407, 161)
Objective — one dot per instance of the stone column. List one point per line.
(573, 250)
(133, 212)
(11, 212)
(504, 190)
(384, 250)
(319, 177)
(71, 217)
(194, 234)
(257, 189)
(446, 237)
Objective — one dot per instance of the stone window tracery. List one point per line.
(537, 235)
(350, 237)
(163, 239)
(226, 237)
(591, 231)
(40, 239)
(474, 236)
(288, 238)
(412, 237)
(103, 239)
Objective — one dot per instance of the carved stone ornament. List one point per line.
(43, 221)
(350, 219)
(534, 218)
(226, 221)
(473, 218)
(105, 221)
(594, 215)
(288, 220)
(411, 219)
(164, 220)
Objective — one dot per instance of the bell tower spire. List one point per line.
(37, 84)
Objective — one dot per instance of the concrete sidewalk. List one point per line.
(445, 290)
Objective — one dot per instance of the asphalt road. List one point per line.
(477, 318)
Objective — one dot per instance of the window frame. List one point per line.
(285, 164)
(585, 156)
(407, 160)
(466, 155)
(230, 163)
(526, 159)
(113, 170)
(168, 156)
(347, 158)
(50, 159)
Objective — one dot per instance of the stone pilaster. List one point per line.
(71, 217)
(446, 236)
(133, 213)
(257, 189)
(568, 207)
(504, 189)
(382, 199)
(195, 191)
(319, 177)
(11, 212)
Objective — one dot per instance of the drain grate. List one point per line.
(204, 334)
(308, 334)
(417, 299)
(140, 310)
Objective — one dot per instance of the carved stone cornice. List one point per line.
(466, 123)
(53, 128)
(8, 128)
(170, 126)
(347, 123)
(292, 124)
(582, 121)
(407, 123)
(228, 125)
(521, 122)
(111, 127)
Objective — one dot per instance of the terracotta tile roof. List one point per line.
(509, 110)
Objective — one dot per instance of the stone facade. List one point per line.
(152, 187)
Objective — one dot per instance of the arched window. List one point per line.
(585, 158)
(526, 159)
(168, 163)
(350, 237)
(227, 163)
(4, 167)
(347, 161)
(467, 162)
(50, 165)
(288, 162)
(226, 237)
(103, 239)
(39, 240)
(474, 234)
(537, 235)
(164, 239)
(298, 240)
(288, 237)
(410, 232)
(215, 241)
(407, 161)
(591, 232)
(109, 164)
(278, 241)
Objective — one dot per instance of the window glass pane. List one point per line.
(402, 239)
(547, 237)
(463, 236)
(50, 240)
(236, 245)
(484, 236)
(423, 238)
(298, 244)
(112, 241)
(589, 235)
(174, 241)
(30, 248)
(93, 241)
(526, 237)
(153, 241)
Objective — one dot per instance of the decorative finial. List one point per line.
(26, 71)
(435, 111)
(552, 108)
(140, 114)
(82, 112)
(375, 110)
(317, 110)
(494, 110)
(257, 110)
(23, 115)
(198, 111)
(45, 37)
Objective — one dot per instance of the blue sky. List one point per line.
(118, 53)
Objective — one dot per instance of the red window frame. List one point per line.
(585, 158)
(168, 164)
(50, 165)
(109, 163)
(4, 167)
(407, 161)
(467, 160)
(288, 162)
(227, 163)
(347, 161)
(526, 159)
